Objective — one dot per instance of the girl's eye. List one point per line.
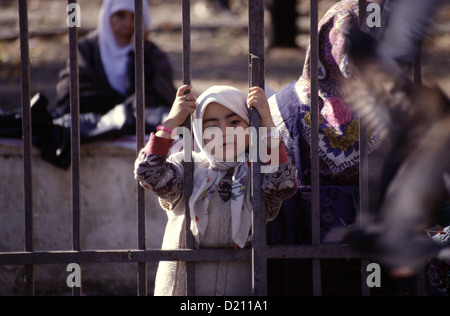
(234, 122)
(121, 14)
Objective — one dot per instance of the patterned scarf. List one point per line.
(338, 125)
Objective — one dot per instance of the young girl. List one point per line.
(220, 204)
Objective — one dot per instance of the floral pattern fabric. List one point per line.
(338, 148)
(338, 125)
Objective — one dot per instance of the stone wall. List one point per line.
(108, 218)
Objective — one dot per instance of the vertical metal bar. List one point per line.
(186, 7)
(256, 60)
(257, 39)
(362, 14)
(363, 165)
(259, 259)
(363, 148)
(188, 164)
(75, 139)
(140, 136)
(315, 172)
(26, 138)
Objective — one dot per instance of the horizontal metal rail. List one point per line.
(188, 255)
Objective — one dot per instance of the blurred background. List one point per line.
(219, 42)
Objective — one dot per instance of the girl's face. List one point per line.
(225, 134)
(122, 24)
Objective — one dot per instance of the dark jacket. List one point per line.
(97, 95)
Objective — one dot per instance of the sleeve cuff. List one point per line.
(283, 154)
(158, 145)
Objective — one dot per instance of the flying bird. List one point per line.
(413, 125)
(407, 24)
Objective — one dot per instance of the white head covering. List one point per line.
(114, 56)
(209, 173)
(231, 98)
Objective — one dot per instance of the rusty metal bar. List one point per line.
(75, 133)
(363, 146)
(257, 39)
(124, 256)
(189, 255)
(363, 165)
(140, 136)
(75, 139)
(315, 171)
(26, 138)
(362, 13)
(256, 78)
(259, 259)
(188, 164)
(186, 29)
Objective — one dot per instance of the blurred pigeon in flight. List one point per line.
(413, 124)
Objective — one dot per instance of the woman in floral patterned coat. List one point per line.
(338, 153)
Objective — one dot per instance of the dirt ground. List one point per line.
(219, 45)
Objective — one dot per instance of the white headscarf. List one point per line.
(114, 56)
(209, 172)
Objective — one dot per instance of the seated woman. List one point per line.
(106, 86)
(106, 64)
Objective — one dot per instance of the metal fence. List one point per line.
(260, 252)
